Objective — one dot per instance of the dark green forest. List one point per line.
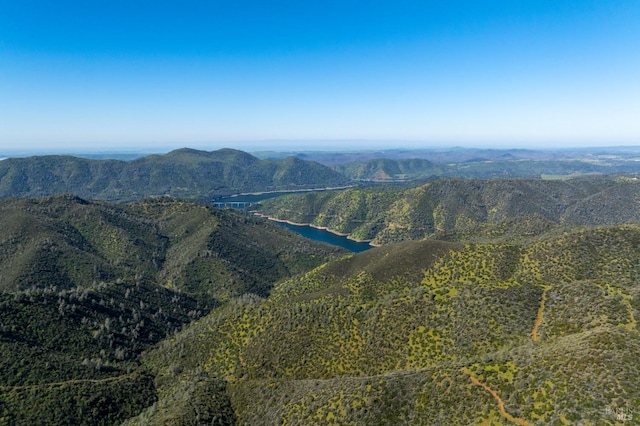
(87, 286)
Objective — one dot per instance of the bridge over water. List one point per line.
(244, 201)
(232, 204)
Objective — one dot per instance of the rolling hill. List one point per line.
(428, 332)
(68, 242)
(464, 209)
(520, 306)
(507, 167)
(385, 169)
(184, 173)
(401, 164)
(86, 286)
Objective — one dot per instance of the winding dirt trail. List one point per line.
(536, 324)
(493, 393)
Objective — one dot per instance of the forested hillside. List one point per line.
(464, 209)
(519, 303)
(184, 173)
(542, 332)
(86, 286)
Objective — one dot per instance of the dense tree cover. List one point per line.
(464, 209)
(68, 242)
(85, 287)
(72, 356)
(79, 402)
(170, 312)
(184, 173)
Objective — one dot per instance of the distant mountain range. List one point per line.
(184, 173)
(457, 154)
(409, 164)
(201, 175)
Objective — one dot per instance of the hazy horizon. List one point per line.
(95, 76)
(263, 147)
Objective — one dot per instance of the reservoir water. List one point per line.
(245, 200)
(326, 237)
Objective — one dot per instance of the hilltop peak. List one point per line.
(182, 173)
(224, 154)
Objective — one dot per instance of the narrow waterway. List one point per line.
(245, 200)
(326, 237)
(257, 197)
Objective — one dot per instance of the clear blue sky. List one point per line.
(101, 74)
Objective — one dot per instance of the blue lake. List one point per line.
(326, 237)
(233, 201)
(244, 201)
(251, 198)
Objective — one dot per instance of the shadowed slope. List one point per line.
(86, 286)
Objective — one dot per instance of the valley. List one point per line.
(487, 301)
(319, 213)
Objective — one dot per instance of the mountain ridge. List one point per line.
(520, 305)
(86, 286)
(183, 173)
(463, 209)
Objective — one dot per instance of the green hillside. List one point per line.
(385, 169)
(508, 167)
(522, 310)
(68, 242)
(85, 287)
(464, 209)
(184, 173)
(543, 332)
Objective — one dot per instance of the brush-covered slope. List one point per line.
(184, 173)
(423, 333)
(458, 209)
(478, 167)
(86, 286)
